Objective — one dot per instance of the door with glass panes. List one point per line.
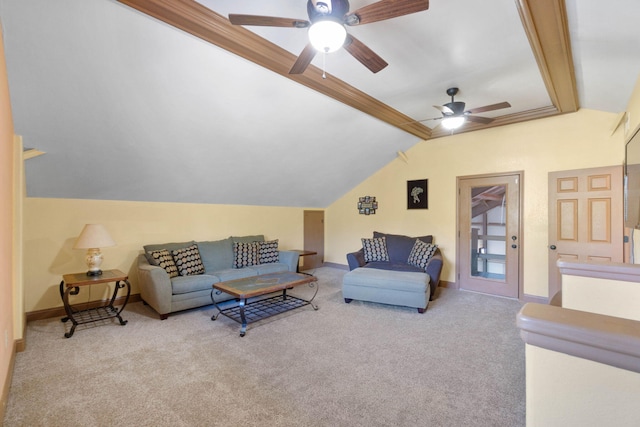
(489, 239)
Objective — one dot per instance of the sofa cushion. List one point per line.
(248, 239)
(421, 254)
(272, 267)
(216, 254)
(168, 246)
(394, 266)
(188, 261)
(268, 252)
(375, 249)
(186, 284)
(245, 254)
(399, 246)
(235, 273)
(162, 258)
(384, 279)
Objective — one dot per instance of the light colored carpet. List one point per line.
(461, 363)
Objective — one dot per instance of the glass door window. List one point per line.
(488, 232)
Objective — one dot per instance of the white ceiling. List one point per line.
(129, 108)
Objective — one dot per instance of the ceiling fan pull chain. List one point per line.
(324, 64)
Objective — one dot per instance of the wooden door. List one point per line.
(489, 238)
(585, 218)
(313, 239)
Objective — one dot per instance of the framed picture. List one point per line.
(367, 205)
(417, 194)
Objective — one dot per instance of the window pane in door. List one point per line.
(488, 232)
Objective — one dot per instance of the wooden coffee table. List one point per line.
(256, 286)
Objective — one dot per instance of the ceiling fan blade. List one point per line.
(385, 9)
(479, 119)
(267, 21)
(303, 60)
(491, 107)
(362, 53)
(429, 119)
(444, 109)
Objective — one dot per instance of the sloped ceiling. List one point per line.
(128, 107)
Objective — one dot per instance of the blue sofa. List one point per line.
(395, 281)
(191, 287)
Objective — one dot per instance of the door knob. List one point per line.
(552, 247)
(514, 246)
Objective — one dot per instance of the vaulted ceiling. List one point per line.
(160, 100)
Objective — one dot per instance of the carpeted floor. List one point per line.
(461, 363)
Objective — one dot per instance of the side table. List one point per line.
(301, 253)
(70, 285)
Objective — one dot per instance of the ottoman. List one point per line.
(405, 288)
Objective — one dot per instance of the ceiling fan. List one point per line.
(454, 114)
(327, 32)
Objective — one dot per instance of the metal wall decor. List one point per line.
(417, 194)
(367, 205)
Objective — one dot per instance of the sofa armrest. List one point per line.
(155, 286)
(355, 259)
(434, 269)
(290, 258)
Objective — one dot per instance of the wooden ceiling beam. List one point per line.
(546, 25)
(201, 22)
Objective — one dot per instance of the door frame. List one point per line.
(459, 255)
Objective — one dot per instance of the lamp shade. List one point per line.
(94, 236)
(453, 122)
(327, 35)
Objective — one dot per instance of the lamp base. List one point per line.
(94, 273)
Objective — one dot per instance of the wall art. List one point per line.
(417, 194)
(367, 205)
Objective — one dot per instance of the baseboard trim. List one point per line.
(48, 313)
(7, 384)
(335, 265)
(449, 285)
(534, 299)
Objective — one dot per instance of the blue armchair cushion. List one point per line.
(375, 249)
(399, 247)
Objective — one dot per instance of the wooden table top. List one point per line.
(81, 279)
(263, 284)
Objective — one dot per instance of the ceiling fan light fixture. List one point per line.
(453, 122)
(327, 35)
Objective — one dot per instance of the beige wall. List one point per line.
(6, 224)
(620, 299)
(563, 390)
(571, 141)
(633, 110)
(52, 225)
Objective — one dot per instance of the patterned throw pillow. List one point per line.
(245, 254)
(375, 249)
(188, 261)
(162, 258)
(421, 254)
(268, 252)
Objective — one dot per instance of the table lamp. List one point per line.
(92, 238)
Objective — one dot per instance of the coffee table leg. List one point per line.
(243, 329)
